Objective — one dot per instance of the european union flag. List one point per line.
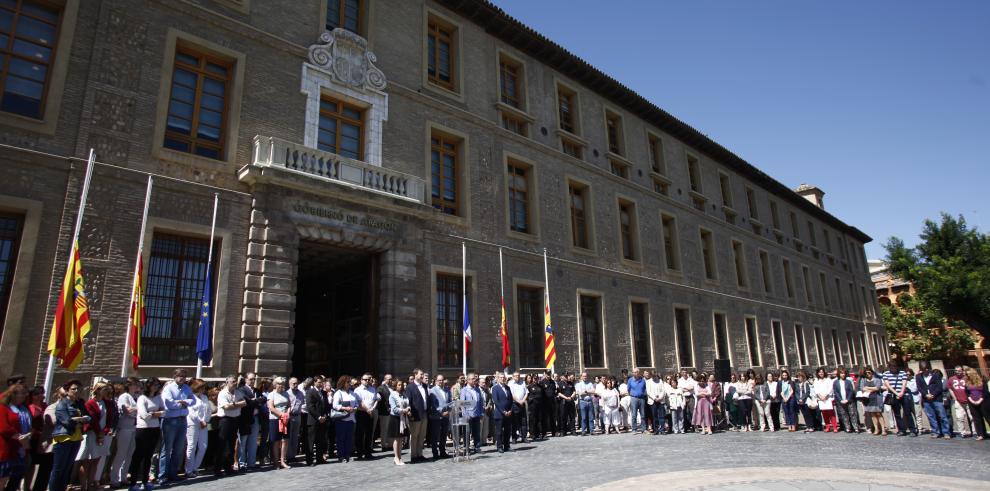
(204, 338)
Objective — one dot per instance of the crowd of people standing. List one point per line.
(142, 434)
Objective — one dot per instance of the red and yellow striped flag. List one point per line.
(137, 315)
(549, 350)
(504, 333)
(71, 317)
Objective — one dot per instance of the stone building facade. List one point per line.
(355, 145)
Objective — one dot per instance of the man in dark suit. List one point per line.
(316, 427)
(439, 424)
(930, 386)
(418, 396)
(502, 413)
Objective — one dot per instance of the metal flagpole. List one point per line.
(546, 288)
(50, 374)
(209, 264)
(464, 307)
(134, 287)
(501, 288)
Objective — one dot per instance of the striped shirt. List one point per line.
(896, 380)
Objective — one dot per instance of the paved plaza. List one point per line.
(748, 461)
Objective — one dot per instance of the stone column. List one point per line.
(398, 333)
(269, 299)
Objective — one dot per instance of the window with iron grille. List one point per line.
(28, 42)
(450, 323)
(682, 326)
(173, 296)
(529, 301)
(592, 349)
(641, 334)
(11, 226)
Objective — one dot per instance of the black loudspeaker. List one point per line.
(722, 371)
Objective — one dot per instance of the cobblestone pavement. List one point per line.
(750, 461)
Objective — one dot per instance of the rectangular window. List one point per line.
(708, 254)
(838, 295)
(840, 245)
(174, 292)
(510, 82)
(529, 302)
(657, 162)
(618, 168)
(444, 173)
(721, 336)
(812, 236)
(836, 351)
(820, 347)
(685, 346)
(671, 248)
(344, 13)
(628, 231)
(640, 334)
(11, 226)
(824, 287)
(866, 301)
(197, 106)
(592, 349)
(726, 189)
(519, 217)
(828, 240)
(694, 173)
(571, 147)
(794, 226)
(853, 304)
(450, 321)
(862, 349)
(440, 54)
(851, 348)
(514, 124)
(742, 280)
(661, 186)
(567, 110)
(774, 215)
(754, 212)
(765, 270)
(806, 274)
(579, 201)
(613, 131)
(802, 348)
(753, 342)
(780, 351)
(28, 37)
(788, 279)
(341, 128)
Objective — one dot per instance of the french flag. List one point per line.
(467, 327)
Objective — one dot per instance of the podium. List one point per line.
(460, 431)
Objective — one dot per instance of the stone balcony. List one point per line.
(335, 170)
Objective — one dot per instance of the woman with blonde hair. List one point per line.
(278, 422)
(15, 434)
(979, 403)
(98, 433)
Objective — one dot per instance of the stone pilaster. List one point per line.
(398, 334)
(269, 294)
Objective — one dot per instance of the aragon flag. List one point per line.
(71, 317)
(137, 316)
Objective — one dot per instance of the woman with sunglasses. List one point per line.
(66, 435)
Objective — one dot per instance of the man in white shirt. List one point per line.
(656, 397)
(297, 399)
(519, 393)
(687, 384)
(585, 392)
(364, 433)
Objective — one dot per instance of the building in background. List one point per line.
(355, 145)
(889, 288)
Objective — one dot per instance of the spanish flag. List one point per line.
(549, 350)
(504, 334)
(71, 317)
(137, 315)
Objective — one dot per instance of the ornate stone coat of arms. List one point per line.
(345, 55)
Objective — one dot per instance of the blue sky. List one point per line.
(885, 105)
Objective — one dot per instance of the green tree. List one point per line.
(922, 332)
(950, 269)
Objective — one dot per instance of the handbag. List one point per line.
(335, 414)
(812, 402)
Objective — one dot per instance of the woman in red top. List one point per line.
(41, 462)
(15, 434)
(98, 433)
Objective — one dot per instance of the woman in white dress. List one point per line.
(610, 406)
(197, 429)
